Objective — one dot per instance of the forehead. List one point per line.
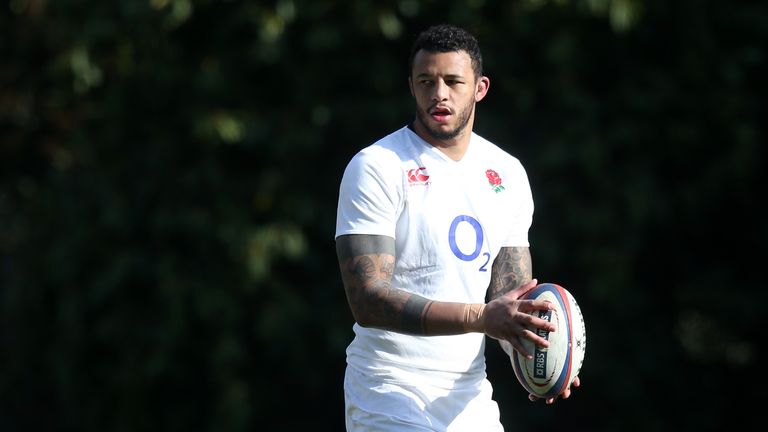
(442, 63)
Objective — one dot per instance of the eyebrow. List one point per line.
(447, 76)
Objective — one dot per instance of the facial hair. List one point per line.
(462, 116)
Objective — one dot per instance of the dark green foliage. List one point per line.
(168, 185)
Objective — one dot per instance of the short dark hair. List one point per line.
(447, 38)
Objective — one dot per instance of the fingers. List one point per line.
(517, 343)
(530, 327)
(564, 395)
(530, 285)
(517, 321)
(535, 338)
(521, 290)
(534, 305)
(534, 321)
(518, 346)
(548, 401)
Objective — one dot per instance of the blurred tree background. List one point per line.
(168, 185)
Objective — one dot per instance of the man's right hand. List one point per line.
(509, 318)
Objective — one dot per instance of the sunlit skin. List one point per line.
(446, 90)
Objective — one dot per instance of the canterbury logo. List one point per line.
(418, 176)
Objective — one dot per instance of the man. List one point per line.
(432, 221)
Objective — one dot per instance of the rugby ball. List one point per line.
(552, 370)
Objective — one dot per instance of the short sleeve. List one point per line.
(370, 195)
(522, 215)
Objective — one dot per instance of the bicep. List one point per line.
(511, 269)
(365, 261)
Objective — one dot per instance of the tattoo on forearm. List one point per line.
(511, 269)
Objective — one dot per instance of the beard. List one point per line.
(462, 116)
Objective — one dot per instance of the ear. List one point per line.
(481, 88)
(410, 86)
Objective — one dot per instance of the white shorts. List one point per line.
(386, 405)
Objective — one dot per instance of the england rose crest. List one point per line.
(494, 180)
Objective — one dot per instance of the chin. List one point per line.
(444, 136)
(444, 133)
(438, 132)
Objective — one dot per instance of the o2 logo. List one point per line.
(479, 238)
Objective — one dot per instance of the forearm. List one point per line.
(375, 303)
(511, 269)
(366, 264)
(433, 318)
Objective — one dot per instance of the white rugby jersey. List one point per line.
(449, 220)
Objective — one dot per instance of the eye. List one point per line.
(426, 82)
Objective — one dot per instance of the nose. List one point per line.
(440, 91)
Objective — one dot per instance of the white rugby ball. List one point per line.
(552, 370)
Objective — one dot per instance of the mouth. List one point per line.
(440, 114)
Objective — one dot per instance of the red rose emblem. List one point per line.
(494, 180)
(493, 177)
